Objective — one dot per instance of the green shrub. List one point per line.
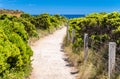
(14, 51)
(101, 29)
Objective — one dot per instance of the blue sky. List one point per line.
(61, 6)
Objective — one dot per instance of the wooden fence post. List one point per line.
(112, 55)
(68, 34)
(73, 35)
(85, 47)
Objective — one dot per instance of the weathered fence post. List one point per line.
(112, 55)
(85, 47)
(73, 35)
(68, 34)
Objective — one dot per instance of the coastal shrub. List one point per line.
(15, 32)
(101, 28)
(15, 53)
(29, 27)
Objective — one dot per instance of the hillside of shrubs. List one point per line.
(15, 52)
(11, 12)
(101, 28)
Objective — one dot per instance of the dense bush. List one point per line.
(29, 27)
(101, 28)
(45, 21)
(15, 53)
(15, 32)
(48, 22)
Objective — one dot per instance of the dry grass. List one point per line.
(41, 34)
(86, 71)
(94, 68)
(17, 15)
(118, 77)
(72, 57)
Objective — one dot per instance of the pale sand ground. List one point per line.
(48, 60)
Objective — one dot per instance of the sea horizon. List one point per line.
(69, 16)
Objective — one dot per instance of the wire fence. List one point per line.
(96, 46)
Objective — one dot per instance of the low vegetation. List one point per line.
(16, 13)
(101, 28)
(15, 52)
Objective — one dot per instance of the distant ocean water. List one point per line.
(73, 16)
(70, 16)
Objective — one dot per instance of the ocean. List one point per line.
(73, 16)
(70, 16)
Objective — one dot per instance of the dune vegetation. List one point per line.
(15, 33)
(101, 28)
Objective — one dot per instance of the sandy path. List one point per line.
(48, 59)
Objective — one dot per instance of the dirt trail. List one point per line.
(48, 60)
